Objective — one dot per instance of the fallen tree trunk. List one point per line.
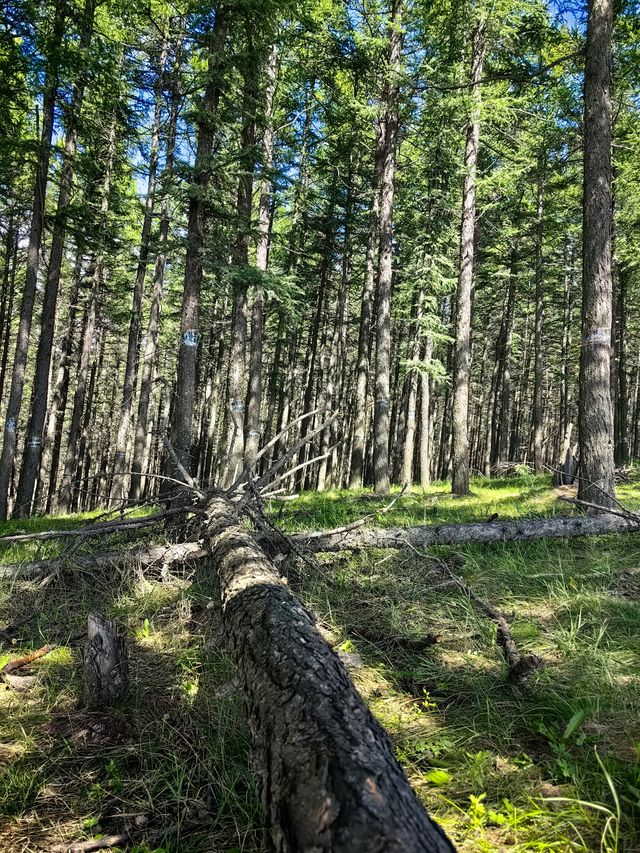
(330, 781)
(524, 530)
(146, 557)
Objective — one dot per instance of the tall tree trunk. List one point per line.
(153, 324)
(505, 363)
(314, 329)
(14, 404)
(538, 373)
(133, 343)
(597, 483)
(254, 397)
(185, 391)
(408, 450)
(462, 347)
(363, 362)
(237, 356)
(58, 405)
(67, 487)
(425, 415)
(9, 289)
(33, 447)
(385, 277)
(622, 401)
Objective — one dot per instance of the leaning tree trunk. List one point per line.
(597, 483)
(385, 277)
(330, 781)
(462, 347)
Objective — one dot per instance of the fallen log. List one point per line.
(146, 557)
(522, 530)
(330, 781)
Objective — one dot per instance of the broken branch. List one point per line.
(18, 663)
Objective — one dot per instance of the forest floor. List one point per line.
(552, 765)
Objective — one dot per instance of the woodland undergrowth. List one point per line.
(550, 765)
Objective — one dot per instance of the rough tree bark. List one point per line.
(462, 348)
(385, 277)
(524, 530)
(106, 667)
(330, 781)
(597, 483)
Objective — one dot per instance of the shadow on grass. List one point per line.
(448, 705)
(173, 756)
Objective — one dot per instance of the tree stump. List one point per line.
(106, 666)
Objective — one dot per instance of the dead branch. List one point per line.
(302, 465)
(279, 464)
(146, 557)
(188, 479)
(105, 527)
(284, 431)
(18, 663)
(519, 667)
(120, 839)
(623, 513)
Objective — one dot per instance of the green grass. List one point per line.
(553, 765)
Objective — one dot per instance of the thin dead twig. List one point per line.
(519, 666)
(284, 431)
(362, 521)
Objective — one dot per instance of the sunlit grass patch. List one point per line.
(501, 767)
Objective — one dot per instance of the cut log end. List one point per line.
(106, 666)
